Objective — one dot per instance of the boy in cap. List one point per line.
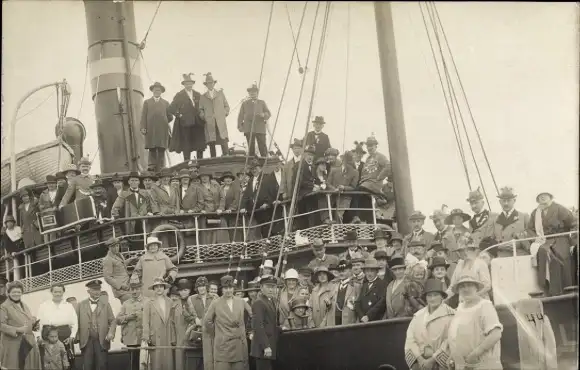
(252, 119)
(155, 119)
(299, 317)
(265, 324)
(97, 327)
(130, 318)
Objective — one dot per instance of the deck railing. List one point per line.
(78, 256)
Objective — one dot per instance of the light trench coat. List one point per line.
(159, 328)
(284, 304)
(151, 266)
(214, 112)
(12, 316)
(321, 313)
(429, 330)
(348, 315)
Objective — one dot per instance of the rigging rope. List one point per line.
(142, 44)
(294, 51)
(347, 74)
(84, 86)
(36, 107)
(300, 165)
(436, 12)
(322, 57)
(259, 84)
(452, 116)
(294, 38)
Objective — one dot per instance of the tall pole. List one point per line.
(114, 63)
(396, 134)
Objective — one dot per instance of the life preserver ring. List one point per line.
(180, 239)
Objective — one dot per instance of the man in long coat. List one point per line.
(131, 320)
(252, 119)
(214, 108)
(511, 224)
(79, 187)
(96, 327)
(265, 325)
(155, 120)
(188, 128)
(317, 138)
(115, 271)
(225, 320)
(554, 256)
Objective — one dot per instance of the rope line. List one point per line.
(294, 51)
(347, 75)
(142, 45)
(36, 107)
(300, 165)
(294, 38)
(84, 86)
(447, 103)
(436, 12)
(251, 138)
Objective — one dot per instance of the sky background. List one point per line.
(518, 63)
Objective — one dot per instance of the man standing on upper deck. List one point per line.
(317, 138)
(511, 224)
(188, 128)
(376, 168)
(155, 120)
(482, 223)
(79, 186)
(554, 255)
(358, 152)
(214, 108)
(289, 168)
(46, 199)
(252, 120)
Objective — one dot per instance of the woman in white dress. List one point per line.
(475, 331)
(426, 343)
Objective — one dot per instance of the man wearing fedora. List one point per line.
(511, 224)
(130, 318)
(78, 186)
(164, 195)
(96, 328)
(252, 120)
(265, 324)
(482, 223)
(444, 233)
(416, 221)
(554, 258)
(102, 204)
(320, 256)
(115, 271)
(188, 128)
(135, 201)
(48, 195)
(354, 250)
(214, 108)
(317, 138)
(155, 119)
(370, 304)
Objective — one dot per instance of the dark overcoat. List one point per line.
(155, 119)
(253, 111)
(188, 127)
(320, 141)
(265, 326)
(29, 224)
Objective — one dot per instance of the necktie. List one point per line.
(93, 302)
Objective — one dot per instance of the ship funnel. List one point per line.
(73, 133)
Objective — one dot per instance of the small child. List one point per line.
(414, 285)
(299, 317)
(55, 357)
(438, 270)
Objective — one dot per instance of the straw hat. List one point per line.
(268, 264)
(159, 281)
(467, 278)
(322, 270)
(291, 274)
(153, 240)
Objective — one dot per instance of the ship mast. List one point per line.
(396, 134)
(115, 70)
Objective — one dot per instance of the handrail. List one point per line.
(513, 242)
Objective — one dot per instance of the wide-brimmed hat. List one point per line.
(184, 173)
(296, 143)
(71, 168)
(351, 235)
(434, 286)
(371, 263)
(159, 281)
(187, 77)
(98, 183)
(25, 192)
(253, 87)
(507, 193)
(291, 274)
(153, 240)
(543, 193)
(149, 175)
(165, 172)
(209, 79)
(226, 175)
(416, 215)
(322, 270)
(467, 278)
(357, 259)
(298, 303)
(157, 84)
(358, 147)
(474, 196)
(318, 244)
(457, 212)
(397, 262)
(201, 281)
(116, 177)
(438, 261)
(227, 281)
(9, 218)
(380, 233)
(319, 119)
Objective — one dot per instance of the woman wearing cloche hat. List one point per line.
(153, 264)
(321, 297)
(156, 331)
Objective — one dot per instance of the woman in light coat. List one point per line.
(471, 263)
(287, 294)
(159, 325)
(152, 265)
(321, 297)
(475, 331)
(18, 347)
(426, 342)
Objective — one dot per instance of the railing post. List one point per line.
(329, 204)
(50, 264)
(16, 267)
(285, 215)
(374, 203)
(176, 245)
(197, 251)
(244, 231)
(144, 226)
(80, 255)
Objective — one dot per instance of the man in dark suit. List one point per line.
(96, 327)
(358, 152)
(305, 186)
(264, 324)
(61, 186)
(252, 119)
(317, 138)
(370, 304)
(188, 127)
(102, 204)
